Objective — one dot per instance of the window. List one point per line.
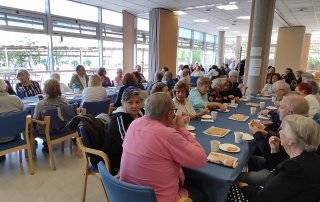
(183, 56)
(112, 17)
(74, 10)
(314, 53)
(185, 33)
(143, 24)
(112, 57)
(230, 46)
(36, 5)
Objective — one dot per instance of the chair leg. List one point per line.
(20, 156)
(30, 161)
(62, 146)
(102, 188)
(51, 157)
(84, 186)
(70, 146)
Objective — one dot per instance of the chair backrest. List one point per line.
(193, 80)
(121, 191)
(12, 124)
(96, 108)
(85, 137)
(59, 116)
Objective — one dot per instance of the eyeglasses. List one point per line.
(174, 110)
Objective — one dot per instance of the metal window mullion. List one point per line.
(99, 35)
(49, 28)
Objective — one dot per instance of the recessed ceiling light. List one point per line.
(179, 12)
(246, 17)
(274, 30)
(200, 20)
(222, 27)
(200, 6)
(235, 32)
(232, 2)
(228, 7)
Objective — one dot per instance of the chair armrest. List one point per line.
(100, 154)
(38, 121)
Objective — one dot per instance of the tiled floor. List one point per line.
(46, 185)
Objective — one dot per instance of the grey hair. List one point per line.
(303, 131)
(55, 76)
(234, 73)
(297, 103)
(306, 76)
(158, 105)
(314, 86)
(281, 85)
(217, 82)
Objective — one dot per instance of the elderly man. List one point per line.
(156, 147)
(80, 79)
(139, 70)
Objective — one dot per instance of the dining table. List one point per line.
(215, 179)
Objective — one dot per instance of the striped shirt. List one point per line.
(32, 89)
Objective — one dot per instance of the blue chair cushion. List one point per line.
(15, 143)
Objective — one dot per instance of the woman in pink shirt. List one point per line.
(156, 148)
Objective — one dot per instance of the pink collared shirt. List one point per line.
(154, 153)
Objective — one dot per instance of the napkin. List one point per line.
(207, 120)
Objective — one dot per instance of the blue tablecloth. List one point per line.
(215, 179)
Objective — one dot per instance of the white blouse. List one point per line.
(185, 108)
(314, 105)
(94, 94)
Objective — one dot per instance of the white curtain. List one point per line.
(154, 17)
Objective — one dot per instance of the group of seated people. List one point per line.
(148, 144)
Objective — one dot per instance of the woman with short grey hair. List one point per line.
(298, 178)
(26, 87)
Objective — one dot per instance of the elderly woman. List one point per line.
(168, 79)
(139, 70)
(139, 79)
(298, 178)
(119, 78)
(26, 87)
(94, 92)
(280, 89)
(157, 78)
(79, 80)
(105, 81)
(8, 103)
(129, 81)
(271, 70)
(236, 87)
(181, 102)
(197, 72)
(120, 121)
(220, 91)
(160, 143)
(305, 90)
(199, 96)
(267, 89)
(64, 88)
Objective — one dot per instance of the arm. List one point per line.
(185, 150)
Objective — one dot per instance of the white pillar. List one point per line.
(221, 48)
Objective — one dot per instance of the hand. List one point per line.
(264, 112)
(205, 111)
(231, 97)
(237, 99)
(274, 143)
(242, 184)
(223, 107)
(180, 121)
(257, 128)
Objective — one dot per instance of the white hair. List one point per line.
(55, 76)
(306, 76)
(281, 85)
(217, 82)
(234, 73)
(157, 105)
(303, 131)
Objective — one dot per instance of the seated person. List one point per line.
(235, 88)
(105, 81)
(220, 91)
(157, 78)
(118, 126)
(168, 79)
(8, 103)
(64, 88)
(156, 148)
(26, 87)
(185, 76)
(139, 70)
(94, 92)
(213, 72)
(160, 87)
(139, 79)
(118, 79)
(298, 178)
(280, 88)
(199, 96)
(79, 81)
(305, 90)
(290, 104)
(52, 99)
(181, 102)
(197, 72)
(267, 89)
(129, 80)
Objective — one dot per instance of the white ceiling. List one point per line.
(288, 12)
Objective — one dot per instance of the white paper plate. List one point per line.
(224, 147)
(233, 105)
(271, 107)
(264, 117)
(247, 136)
(190, 128)
(226, 111)
(206, 116)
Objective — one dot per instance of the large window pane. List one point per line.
(314, 54)
(143, 58)
(185, 33)
(112, 17)
(143, 24)
(35, 5)
(112, 53)
(183, 56)
(69, 52)
(198, 36)
(74, 10)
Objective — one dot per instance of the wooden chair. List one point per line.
(55, 132)
(96, 108)
(87, 168)
(12, 126)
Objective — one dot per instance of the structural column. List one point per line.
(260, 44)
(295, 40)
(238, 47)
(163, 40)
(221, 44)
(129, 38)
